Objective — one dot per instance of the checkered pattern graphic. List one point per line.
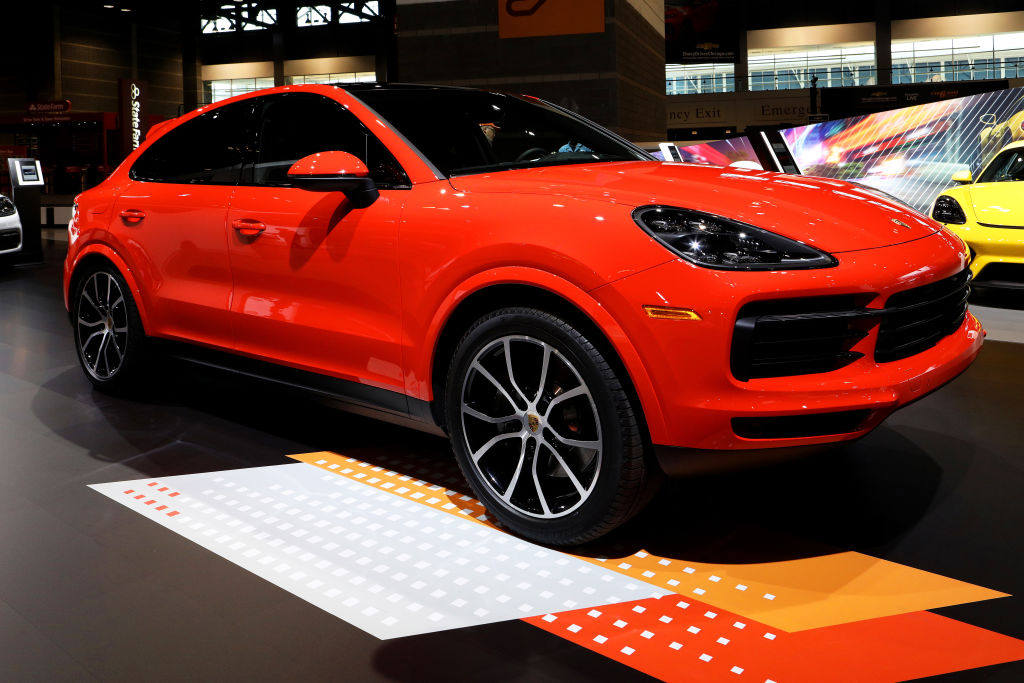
(382, 562)
(863, 628)
(403, 485)
(668, 637)
(155, 488)
(396, 555)
(794, 595)
(680, 639)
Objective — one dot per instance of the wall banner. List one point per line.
(531, 18)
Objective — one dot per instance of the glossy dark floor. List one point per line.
(90, 590)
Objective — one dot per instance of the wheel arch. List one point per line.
(96, 255)
(581, 311)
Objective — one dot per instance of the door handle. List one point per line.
(248, 227)
(132, 215)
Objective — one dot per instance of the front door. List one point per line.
(317, 287)
(173, 217)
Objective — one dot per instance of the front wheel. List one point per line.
(108, 333)
(544, 429)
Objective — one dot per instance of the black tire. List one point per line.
(580, 491)
(109, 337)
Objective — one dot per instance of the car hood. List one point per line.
(830, 214)
(998, 203)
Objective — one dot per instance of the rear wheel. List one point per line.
(108, 333)
(544, 429)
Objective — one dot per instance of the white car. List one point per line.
(10, 228)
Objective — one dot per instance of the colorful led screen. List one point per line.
(731, 152)
(912, 153)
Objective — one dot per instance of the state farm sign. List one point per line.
(133, 113)
(53, 107)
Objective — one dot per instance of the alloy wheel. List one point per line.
(102, 325)
(531, 427)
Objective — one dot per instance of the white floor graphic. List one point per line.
(388, 565)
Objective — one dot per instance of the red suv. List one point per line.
(576, 316)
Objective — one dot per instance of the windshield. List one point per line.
(470, 131)
(1007, 166)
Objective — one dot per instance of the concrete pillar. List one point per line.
(278, 52)
(742, 63)
(190, 59)
(883, 42)
(58, 71)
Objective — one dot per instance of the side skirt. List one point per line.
(353, 397)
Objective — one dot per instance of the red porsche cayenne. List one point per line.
(577, 317)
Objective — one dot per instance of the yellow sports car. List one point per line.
(988, 214)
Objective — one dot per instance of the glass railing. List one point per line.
(723, 79)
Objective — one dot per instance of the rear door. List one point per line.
(317, 289)
(172, 220)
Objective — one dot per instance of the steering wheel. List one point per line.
(529, 154)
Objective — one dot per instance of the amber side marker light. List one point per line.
(670, 313)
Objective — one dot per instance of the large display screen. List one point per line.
(912, 152)
(731, 152)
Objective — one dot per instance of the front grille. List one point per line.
(916, 319)
(10, 239)
(796, 426)
(814, 335)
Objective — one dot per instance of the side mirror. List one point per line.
(988, 119)
(335, 172)
(962, 177)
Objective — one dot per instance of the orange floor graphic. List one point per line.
(675, 638)
(841, 616)
(793, 595)
(807, 593)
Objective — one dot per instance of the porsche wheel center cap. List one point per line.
(533, 422)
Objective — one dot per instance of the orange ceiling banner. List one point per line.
(529, 18)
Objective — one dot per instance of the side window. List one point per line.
(1008, 166)
(295, 125)
(208, 150)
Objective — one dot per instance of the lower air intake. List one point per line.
(796, 426)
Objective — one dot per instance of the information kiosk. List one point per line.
(26, 186)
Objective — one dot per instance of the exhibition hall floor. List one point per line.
(217, 528)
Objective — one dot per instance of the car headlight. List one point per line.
(6, 206)
(948, 210)
(716, 242)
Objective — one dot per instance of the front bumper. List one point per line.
(997, 247)
(696, 399)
